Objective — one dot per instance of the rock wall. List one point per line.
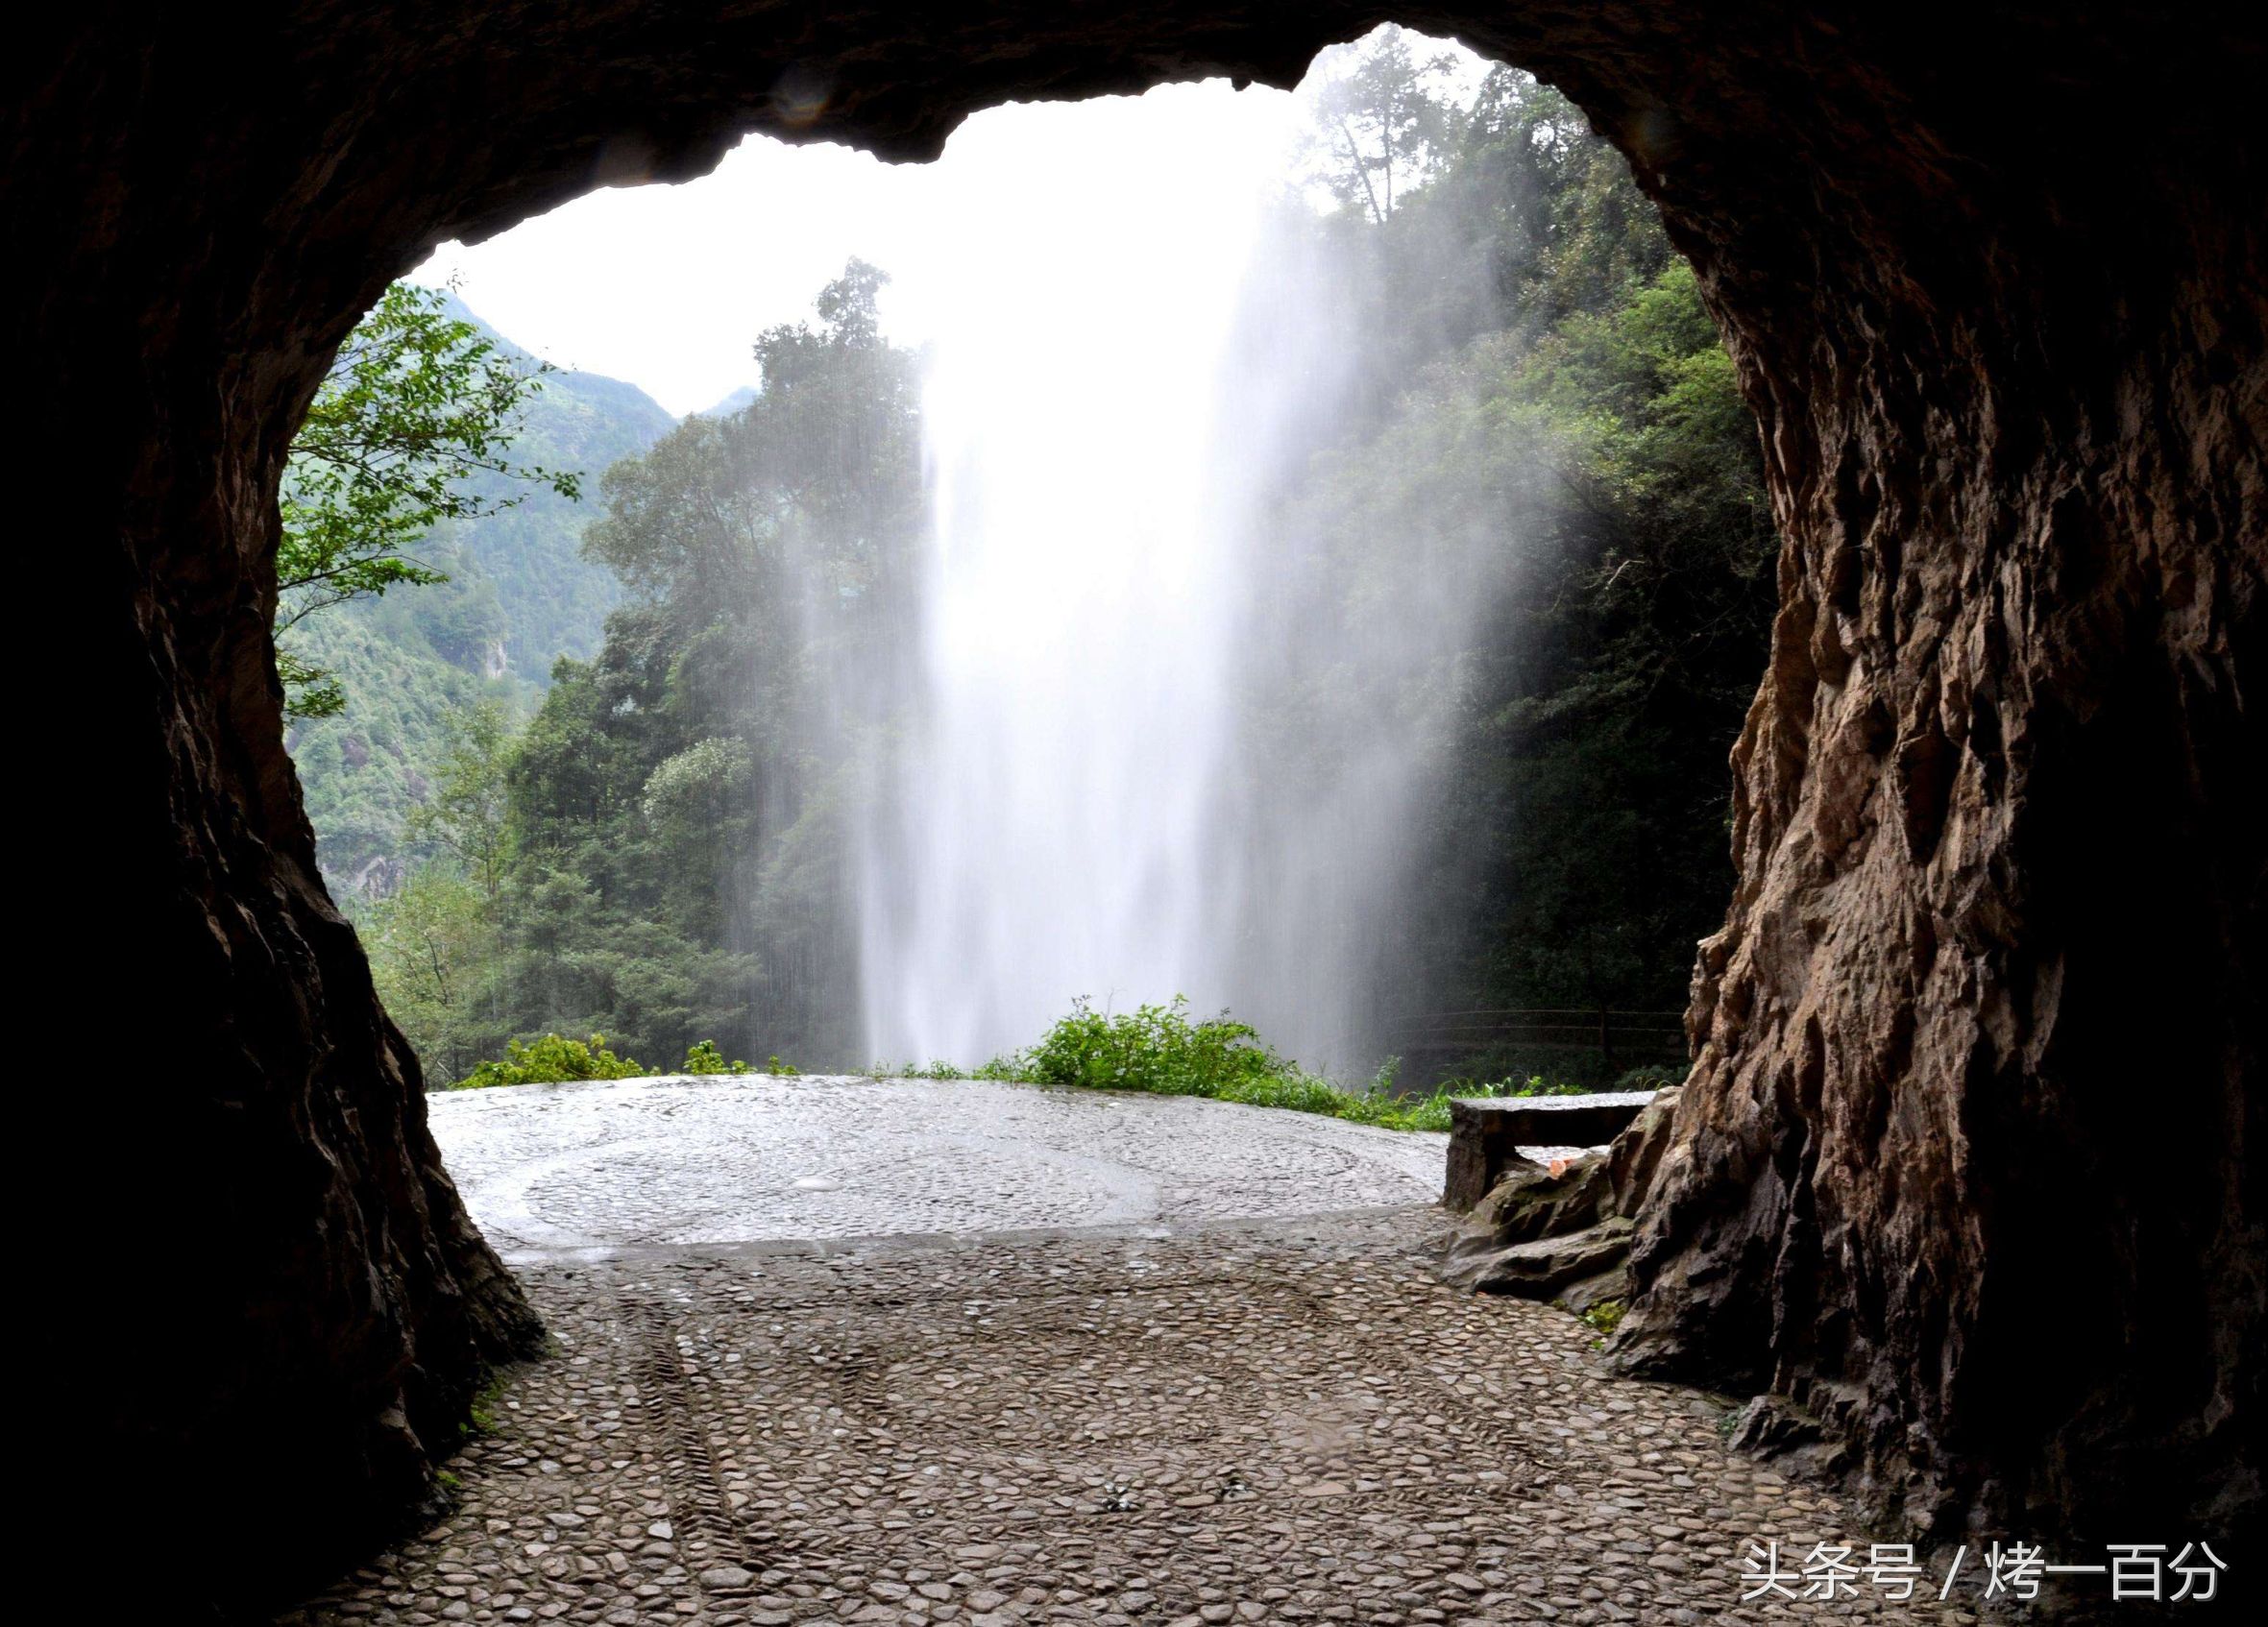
(1963, 1165)
(1963, 1162)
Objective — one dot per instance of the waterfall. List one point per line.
(1121, 366)
(1084, 590)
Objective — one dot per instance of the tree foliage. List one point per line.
(663, 849)
(466, 813)
(1380, 122)
(432, 944)
(418, 402)
(1548, 511)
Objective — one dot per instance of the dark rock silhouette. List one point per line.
(1994, 289)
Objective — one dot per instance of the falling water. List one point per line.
(1116, 370)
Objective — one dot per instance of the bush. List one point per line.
(1158, 1049)
(1154, 1047)
(706, 1059)
(551, 1061)
(1535, 1084)
(1652, 1076)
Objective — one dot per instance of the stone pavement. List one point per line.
(1167, 1418)
(584, 1170)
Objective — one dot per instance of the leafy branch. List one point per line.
(418, 402)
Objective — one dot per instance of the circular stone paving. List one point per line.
(1069, 1409)
(591, 1168)
(1290, 1421)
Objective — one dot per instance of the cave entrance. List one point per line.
(1295, 435)
(1998, 783)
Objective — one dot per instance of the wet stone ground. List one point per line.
(1168, 1418)
(586, 1170)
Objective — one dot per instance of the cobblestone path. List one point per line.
(583, 1170)
(1213, 1423)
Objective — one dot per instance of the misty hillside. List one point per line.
(737, 401)
(554, 602)
(520, 595)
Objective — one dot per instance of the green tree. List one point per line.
(417, 403)
(432, 949)
(680, 846)
(468, 809)
(1380, 123)
(1535, 546)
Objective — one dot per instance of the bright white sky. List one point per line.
(668, 286)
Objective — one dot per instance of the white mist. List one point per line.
(1126, 357)
(1084, 590)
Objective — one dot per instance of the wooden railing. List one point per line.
(1619, 1037)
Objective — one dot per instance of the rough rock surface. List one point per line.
(2000, 849)
(1998, 800)
(1540, 1268)
(1634, 1156)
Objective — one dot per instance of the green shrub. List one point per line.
(706, 1059)
(1535, 1084)
(1158, 1049)
(778, 1068)
(935, 1070)
(550, 1061)
(1153, 1048)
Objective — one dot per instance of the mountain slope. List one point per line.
(521, 596)
(555, 601)
(738, 400)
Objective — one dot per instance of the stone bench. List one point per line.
(1486, 1132)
